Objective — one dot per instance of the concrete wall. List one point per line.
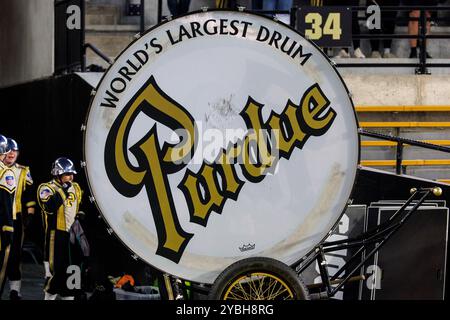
(402, 90)
(26, 40)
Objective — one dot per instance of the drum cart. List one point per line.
(260, 278)
(237, 281)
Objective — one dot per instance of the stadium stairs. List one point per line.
(429, 124)
(108, 30)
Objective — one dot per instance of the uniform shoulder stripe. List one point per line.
(6, 171)
(12, 190)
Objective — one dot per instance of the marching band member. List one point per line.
(24, 205)
(7, 189)
(59, 199)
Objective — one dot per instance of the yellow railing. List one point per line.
(393, 144)
(402, 108)
(404, 124)
(392, 163)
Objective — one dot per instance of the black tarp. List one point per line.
(45, 118)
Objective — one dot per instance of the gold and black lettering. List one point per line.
(255, 168)
(209, 188)
(200, 203)
(204, 192)
(154, 162)
(286, 131)
(309, 118)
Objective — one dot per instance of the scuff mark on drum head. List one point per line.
(214, 265)
(308, 228)
(201, 263)
(108, 117)
(138, 230)
(219, 111)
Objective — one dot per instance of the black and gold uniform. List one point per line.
(24, 204)
(7, 190)
(60, 203)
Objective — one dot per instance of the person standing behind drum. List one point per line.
(59, 200)
(356, 29)
(388, 20)
(7, 189)
(413, 26)
(277, 4)
(178, 7)
(23, 207)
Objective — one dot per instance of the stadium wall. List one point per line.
(26, 35)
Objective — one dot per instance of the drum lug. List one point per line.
(137, 35)
(241, 8)
(83, 164)
(205, 8)
(93, 92)
(110, 231)
(135, 257)
(91, 199)
(83, 127)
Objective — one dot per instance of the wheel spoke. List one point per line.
(235, 296)
(274, 282)
(246, 295)
(279, 292)
(253, 288)
(258, 286)
(261, 285)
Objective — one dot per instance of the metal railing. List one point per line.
(422, 65)
(400, 143)
(97, 51)
(366, 246)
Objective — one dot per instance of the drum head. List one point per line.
(219, 136)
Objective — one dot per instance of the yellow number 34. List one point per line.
(332, 26)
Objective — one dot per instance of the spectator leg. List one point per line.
(184, 6)
(284, 4)
(388, 22)
(413, 27)
(173, 7)
(269, 4)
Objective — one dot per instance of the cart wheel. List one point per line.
(258, 279)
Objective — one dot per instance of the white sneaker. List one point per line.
(376, 55)
(49, 296)
(343, 54)
(358, 53)
(389, 55)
